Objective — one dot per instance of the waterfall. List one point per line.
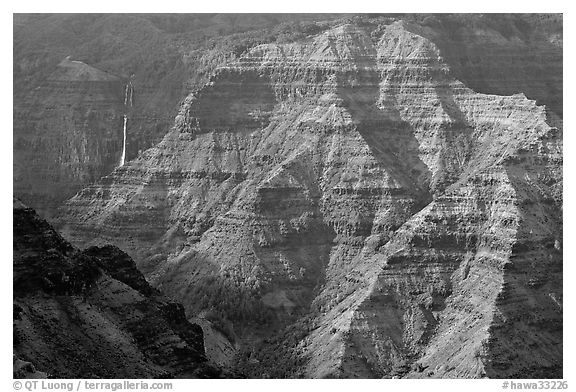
(123, 158)
(127, 99)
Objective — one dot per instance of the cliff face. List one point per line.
(67, 133)
(353, 210)
(92, 314)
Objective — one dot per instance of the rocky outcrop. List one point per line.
(116, 325)
(352, 209)
(23, 369)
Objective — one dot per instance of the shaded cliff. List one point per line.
(67, 133)
(91, 314)
(501, 53)
(351, 209)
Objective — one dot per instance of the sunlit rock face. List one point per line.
(353, 209)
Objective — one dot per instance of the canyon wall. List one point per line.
(67, 133)
(350, 208)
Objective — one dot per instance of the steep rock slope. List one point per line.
(352, 210)
(92, 314)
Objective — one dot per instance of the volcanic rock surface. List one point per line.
(91, 314)
(349, 208)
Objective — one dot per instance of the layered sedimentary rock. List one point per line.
(91, 314)
(67, 134)
(353, 210)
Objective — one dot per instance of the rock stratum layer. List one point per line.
(91, 313)
(349, 208)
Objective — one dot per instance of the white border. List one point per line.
(295, 6)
